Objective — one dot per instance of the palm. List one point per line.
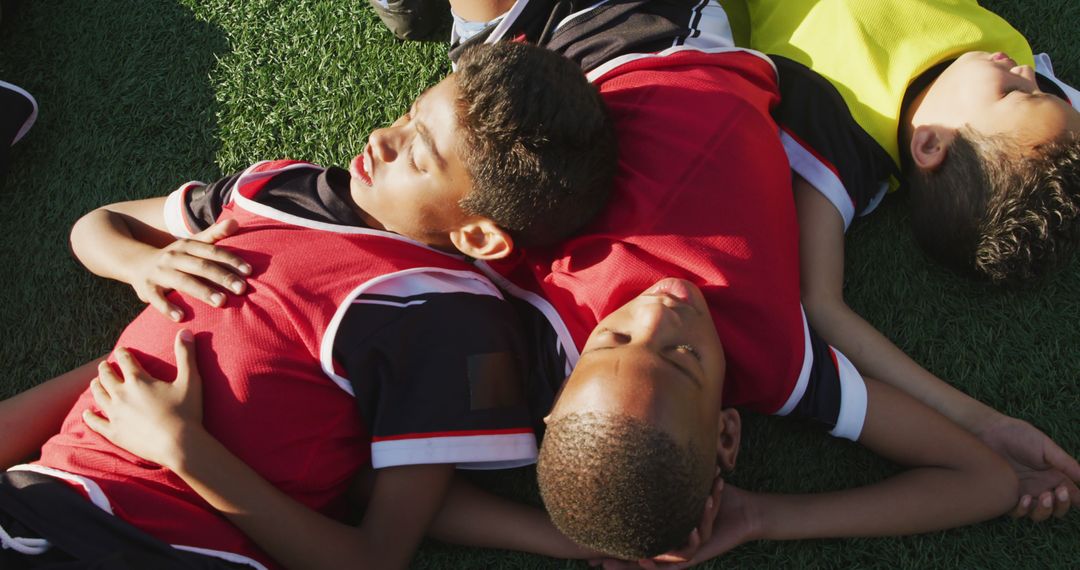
(1040, 464)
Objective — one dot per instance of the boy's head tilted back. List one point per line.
(632, 443)
(993, 166)
(514, 148)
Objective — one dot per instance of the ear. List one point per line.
(930, 145)
(482, 239)
(728, 438)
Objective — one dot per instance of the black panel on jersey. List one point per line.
(427, 363)
(615, 28)
(812, 110)
(546, 361)
(82, 535)
(291, 192)
(823, 397)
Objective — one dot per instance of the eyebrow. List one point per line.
(669, 361)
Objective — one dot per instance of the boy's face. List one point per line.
(993, 95)
(410, 177)
(657, 358)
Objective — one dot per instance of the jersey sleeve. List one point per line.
(195, 206)
(830, 391)
(439, 377)
(826, 146)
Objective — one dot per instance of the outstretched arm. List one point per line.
(1048, 474)
(29, 419)
(952, 480)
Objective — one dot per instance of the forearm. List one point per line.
(29, 419)
(294, 535)
(473, 517)
(106, 244)
(876, 356)
(952, 480)
(916, 501)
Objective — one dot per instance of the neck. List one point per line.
(480, 10)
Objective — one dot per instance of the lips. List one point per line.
(360, 167)
(671, 287)
(999, 56)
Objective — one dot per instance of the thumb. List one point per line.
(1058, 459)
(187, 368)
(217, 231)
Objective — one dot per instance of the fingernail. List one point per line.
(237, 286)
(186, 336)
(708, 503)
(217, 298)
(245, 269)
(175, 315)
(1063, 495)
(1047, 501)
(1025, 502)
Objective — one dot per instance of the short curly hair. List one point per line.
(992, 212)
(539, 142)
(621, 486)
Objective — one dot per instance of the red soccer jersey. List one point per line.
(271, 390)
(703, 193)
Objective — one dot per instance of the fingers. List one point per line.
(187, 369)
(1062, 501)
(158, 301)
(130, 367)
(1058, 459)
(195, 264)
(214, 233)
(1023, 507)
(101, 396)
(95, 422)
(107, 378)
(1043, 507)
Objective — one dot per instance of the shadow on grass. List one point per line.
(126, 109)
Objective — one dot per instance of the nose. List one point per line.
(385, 143)
(1026, 72)
(654, 324)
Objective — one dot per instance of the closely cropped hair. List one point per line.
(621, 486)
(539, 143)
(990, 213)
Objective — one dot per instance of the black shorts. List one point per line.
(82, 536)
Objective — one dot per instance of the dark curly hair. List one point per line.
(991, 212)
(621, 486)
(539, 143)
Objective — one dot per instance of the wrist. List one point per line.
(184, 455)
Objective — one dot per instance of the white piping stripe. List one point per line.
(507, 21)
(229, 556)
(174, 210)
(586, 10)
(804, 374)
(598, 73)
(467, 451)
(33, 114)
(853, 399)
(821, 177)
(97, 496)
(1044, 66)
(388, 303)
(421, 280)
(545, 308)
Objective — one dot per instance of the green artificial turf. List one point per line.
(138, 96)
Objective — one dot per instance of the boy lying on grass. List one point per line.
(985, 137)
(357, 296)
(668, 152)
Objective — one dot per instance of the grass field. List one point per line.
(138, 96)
